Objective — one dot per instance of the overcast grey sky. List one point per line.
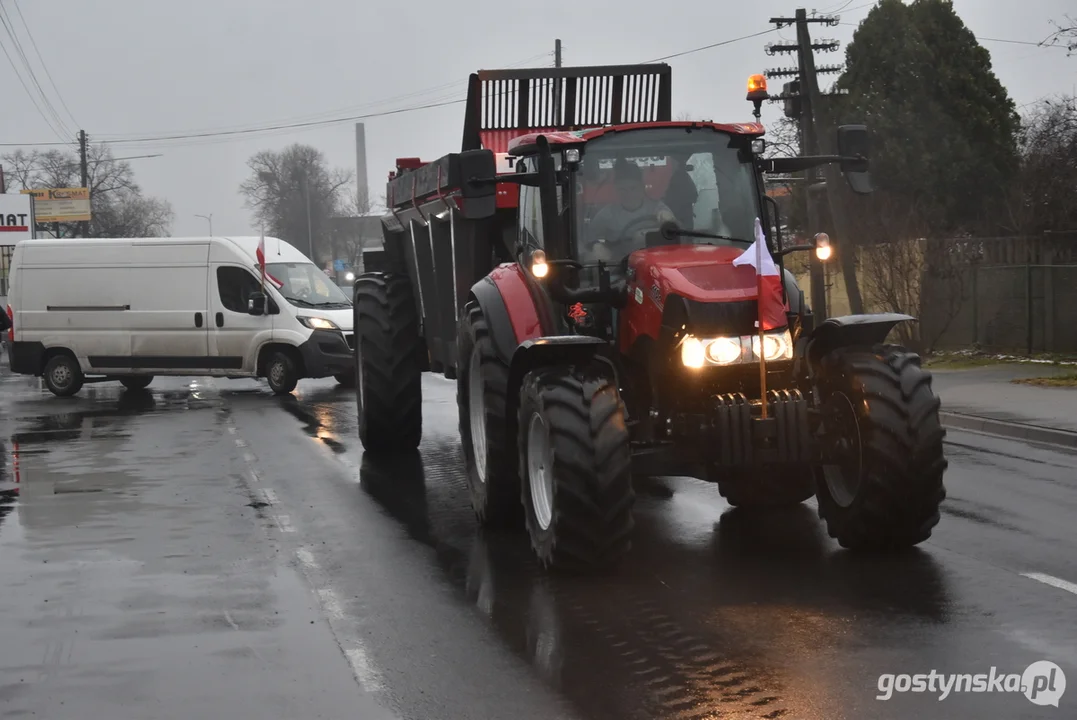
(145, 68)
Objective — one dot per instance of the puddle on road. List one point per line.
(725, 617)
(717, 612)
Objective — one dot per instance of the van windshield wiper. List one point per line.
(299, 302)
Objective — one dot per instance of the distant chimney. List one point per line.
(361, 183)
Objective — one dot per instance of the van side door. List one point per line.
(234, 334)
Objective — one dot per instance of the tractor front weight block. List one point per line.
(735, 434)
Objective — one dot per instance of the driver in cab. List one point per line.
(618, 229)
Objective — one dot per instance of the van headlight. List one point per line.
(721, 351)
(317, 323)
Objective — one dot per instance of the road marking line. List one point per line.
(248, 458)
(364, 670)
(240, 442)
(269, 496)
(285, 523)
(231, 428)
(330, 604)
(306, 557)
(1052, 581)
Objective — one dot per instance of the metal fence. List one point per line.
(1005, 294)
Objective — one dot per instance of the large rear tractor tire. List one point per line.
(770, 486)
(576, 465)
(882, 432)
(388, 375)
(489, 454)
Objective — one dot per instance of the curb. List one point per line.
(1019, 431)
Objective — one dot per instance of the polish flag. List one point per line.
(261, 255)
(772, 308)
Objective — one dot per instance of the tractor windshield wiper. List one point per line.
(669, 233)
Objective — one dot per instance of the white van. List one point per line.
(86, 310)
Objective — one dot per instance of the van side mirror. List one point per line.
(256, 304)
(854, 147)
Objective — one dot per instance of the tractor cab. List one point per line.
(620, 191)
(619, 186)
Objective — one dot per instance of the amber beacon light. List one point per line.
(757, 87)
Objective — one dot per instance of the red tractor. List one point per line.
(579, 269)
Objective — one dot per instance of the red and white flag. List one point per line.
(772, 308)
(261, 255)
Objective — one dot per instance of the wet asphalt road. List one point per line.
(208, 550)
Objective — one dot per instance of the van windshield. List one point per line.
(304, 285)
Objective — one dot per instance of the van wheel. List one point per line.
(281, 374)
(63, 376)
(136, 382)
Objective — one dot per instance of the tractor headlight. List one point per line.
(775, 346)
(692, 354)
(724, 351)
(700, 352)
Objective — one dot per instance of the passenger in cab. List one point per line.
(619, 229)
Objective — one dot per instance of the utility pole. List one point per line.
(802, 102)
(557, 53)
(85, 168)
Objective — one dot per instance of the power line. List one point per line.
(48, 74)
(349, 118)
(37, 106)
(708, 47)
(328, 115)
(9, 27)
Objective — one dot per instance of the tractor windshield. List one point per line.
(630, 183)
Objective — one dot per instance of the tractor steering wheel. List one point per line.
(630, 239)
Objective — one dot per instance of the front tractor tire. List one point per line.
(575, 461)
(481, 399)
(388, 373)
(882, 435)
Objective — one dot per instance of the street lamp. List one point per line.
(209, 219)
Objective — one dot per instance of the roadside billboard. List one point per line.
(61, 204)
(16, 218)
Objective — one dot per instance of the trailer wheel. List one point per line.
(388, 380)
(770, 486)
(63, 376)
(882, 433)
(575, 458)
(481, 393)
(136, 382)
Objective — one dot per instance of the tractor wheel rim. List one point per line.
(476, 405)
(61, 376)
(540, 470)
(844, 479)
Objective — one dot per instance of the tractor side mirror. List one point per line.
(854, 147)
(480, 198)
(547, 184)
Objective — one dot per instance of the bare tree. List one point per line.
(1065, 34)
(293, 194)
(119, 209)
(1041, 197)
